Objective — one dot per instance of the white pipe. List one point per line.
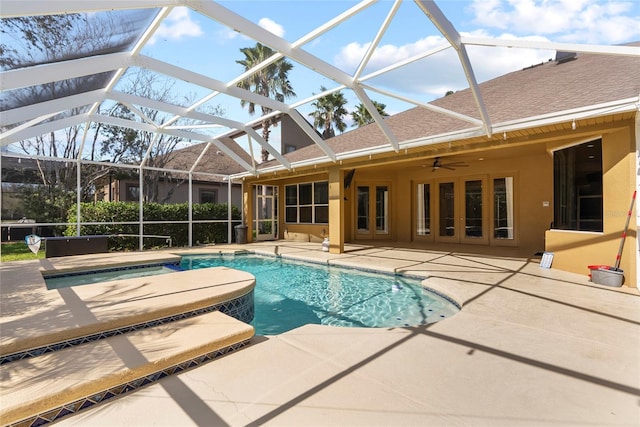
(637, 165)
(190, 226)
(229, 211)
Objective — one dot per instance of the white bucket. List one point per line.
(606, 277)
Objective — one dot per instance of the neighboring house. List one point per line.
(557, 173)
(292, 137)
(174, 186)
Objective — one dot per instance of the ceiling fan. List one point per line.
(437, 164)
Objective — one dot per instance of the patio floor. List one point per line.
(531, 346)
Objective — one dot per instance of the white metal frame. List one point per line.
(34, 120)
(119, 62)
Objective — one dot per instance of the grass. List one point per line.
(18, 251)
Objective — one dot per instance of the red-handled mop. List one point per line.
(624, 233)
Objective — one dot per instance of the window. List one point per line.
(473, 210)
(423, 218)
(208, 196)
(447, 226)
(577, 187)
(133, 193)
(363, 209)
(503, 208)
(307, 203)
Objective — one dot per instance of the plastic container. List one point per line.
(596, 267)
(241, 234)
(607, 277)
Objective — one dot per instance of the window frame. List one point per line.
(568, 197)
(203, 191)
(313, 206)
(129, 197)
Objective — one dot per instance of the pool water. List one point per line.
(106, 275)
(290, 294)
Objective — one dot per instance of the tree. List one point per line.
(271, 81)
(329, 112)
(35, 40)
(130, 146)
(361, 115)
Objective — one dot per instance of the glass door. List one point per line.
(474, 212)
(372, 211)
(447, 211)
(362, 212)
(503, 215)
(462, 214)
(265, 224)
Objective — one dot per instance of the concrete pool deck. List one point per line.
(33, 316)
(531, 346)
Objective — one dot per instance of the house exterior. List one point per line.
(209, 183)
(557, 172)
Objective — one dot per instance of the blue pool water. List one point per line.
(290, 294)
(105, 275)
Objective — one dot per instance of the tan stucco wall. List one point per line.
(529, 160)
(574, 251)
(296, 232)
(533, 193)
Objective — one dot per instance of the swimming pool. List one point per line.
(291, 293)
(78, 278)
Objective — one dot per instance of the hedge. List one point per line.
(129, 211)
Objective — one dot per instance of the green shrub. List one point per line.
(104, 212)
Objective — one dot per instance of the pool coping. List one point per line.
(531, 346)
(109, 306)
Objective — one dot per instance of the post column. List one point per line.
(336, 211)
(247, 209)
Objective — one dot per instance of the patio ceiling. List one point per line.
(97, 74)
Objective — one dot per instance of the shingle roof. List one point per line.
(545, 88)
(213, 161)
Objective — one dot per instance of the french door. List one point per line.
(265, 223)
(461, 214)
(372, 211)
(466, 210)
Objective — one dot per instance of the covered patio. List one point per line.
(531, 346)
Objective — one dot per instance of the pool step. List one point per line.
(45, 388)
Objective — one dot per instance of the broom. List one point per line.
(624, 232)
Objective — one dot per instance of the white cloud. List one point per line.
(228, 34)
(571, 21)
(432, 77)
(266, 23)
(271, 26)
(176, 26)
(350, 56)
(424, 78)
(579, 21)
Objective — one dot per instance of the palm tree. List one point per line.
(361, 115)
(271, 81)
(329, 112)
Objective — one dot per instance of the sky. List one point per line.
(195, 42)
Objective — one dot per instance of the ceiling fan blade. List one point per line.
(437, 164)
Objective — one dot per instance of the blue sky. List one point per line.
(195, 42)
